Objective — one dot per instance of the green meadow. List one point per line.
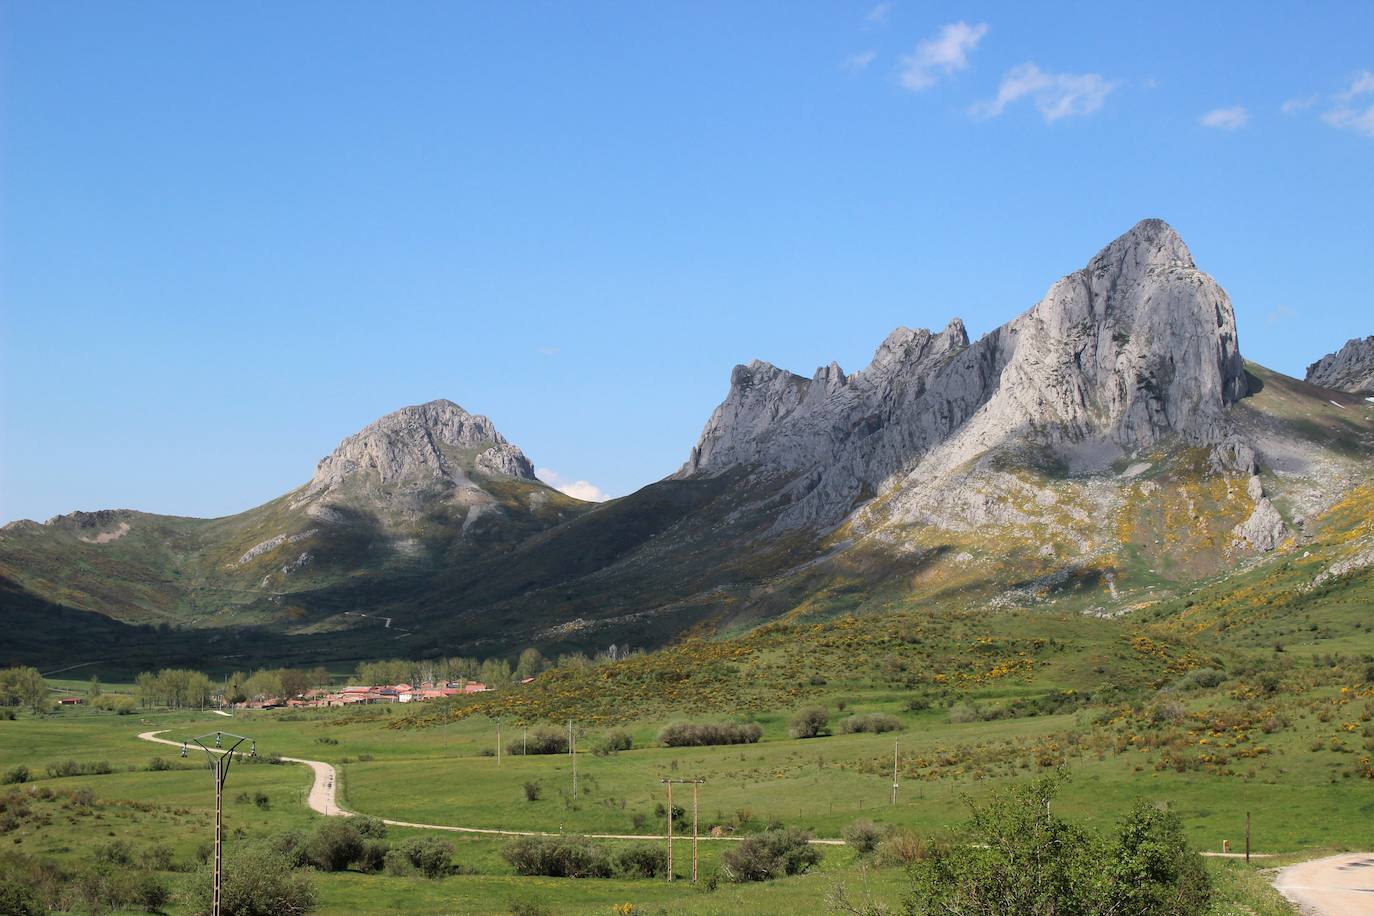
(1284, 737)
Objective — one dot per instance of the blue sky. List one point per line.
(232, 234)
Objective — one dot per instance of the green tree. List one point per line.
(1019, 857)
(93, 691)
(24, 686)
(258, 882)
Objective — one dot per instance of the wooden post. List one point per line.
(1247, 838)
(894, 771)
(670, 828)
(695, 784)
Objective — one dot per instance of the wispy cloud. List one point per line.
(856, 62)
(941, 56)
(1278, 314)
(1353, 107)
(577, 489)
(878, 15)
(547, 351)
(1293, 106)
(1055, 95)
(1226, 118)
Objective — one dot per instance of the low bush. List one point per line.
(430, 856)
(557, 857)
(371, 827)
(612, 742)
(17, 775)
(60, 768)
(769, 855)
(687, 734)
(371, 855)
(335, 845)
(812, 722)
(533, 791)
(1018, 853)
(642, 860)
(875, 722)
(257, 883)
(1200, 679)
(862, 836)
(540, 741)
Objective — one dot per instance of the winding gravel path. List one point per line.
(1335, 886)
(323, 799)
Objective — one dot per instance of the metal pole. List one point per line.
(498, 744)
(219, 835)
(572, 747)
(219, 759)
(1247, 838)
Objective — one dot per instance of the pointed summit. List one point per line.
(422, 443)
(1150, 243)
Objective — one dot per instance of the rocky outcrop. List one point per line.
(1263, 530)
(418, 445)
(1350, 369)
(505, 459)
(1137, 346)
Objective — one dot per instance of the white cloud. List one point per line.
(878, 15)
(1293, 106)
(1352, 110)
(1226, 118)
(1055, 95)
(942, 55)
(577, 489)
(1361, 84)
(860, 61)
(1278, 314)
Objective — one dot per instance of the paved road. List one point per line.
(1336, 886)
(322, 799)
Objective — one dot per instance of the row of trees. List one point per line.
(493, 671)
(183, 687)
(24, 687)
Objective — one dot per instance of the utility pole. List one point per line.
(219, 760)
(1247, 838)
(572, 749)
(498, 744)
(894, 770)
(695, 783)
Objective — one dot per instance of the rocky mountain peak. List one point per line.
(421, 443)
(1136, 346)
(1350, 369)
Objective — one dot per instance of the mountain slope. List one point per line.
(420, 490)
(1106, 451)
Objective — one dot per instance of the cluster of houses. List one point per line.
(388, 693)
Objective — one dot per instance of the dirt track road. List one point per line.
(1336, 886)
(322, 799)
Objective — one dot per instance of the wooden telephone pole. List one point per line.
(894, 771)
(696, 785)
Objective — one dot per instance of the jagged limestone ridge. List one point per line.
(1350, 369)
(1137, 346)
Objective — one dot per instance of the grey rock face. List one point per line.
(1137, 346)
(410, 445)
(505, 459)
(1349, 369)
(1264, 529)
